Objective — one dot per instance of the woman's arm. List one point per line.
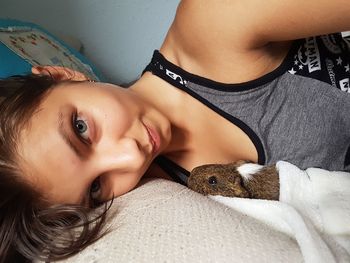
(278, 20)
(253, 23)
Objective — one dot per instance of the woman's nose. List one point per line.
(124, 155)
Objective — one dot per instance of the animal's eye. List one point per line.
(212, 180)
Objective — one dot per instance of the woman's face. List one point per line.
(91, 141)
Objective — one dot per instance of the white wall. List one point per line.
(119, 36)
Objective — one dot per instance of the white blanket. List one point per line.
(314, 208)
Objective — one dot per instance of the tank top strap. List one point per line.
(167, 71)
(179, 174)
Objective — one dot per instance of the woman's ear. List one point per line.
(59, 73)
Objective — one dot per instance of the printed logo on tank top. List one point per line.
(175, 76)
(326, 58)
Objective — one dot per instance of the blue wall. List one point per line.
(119, 36)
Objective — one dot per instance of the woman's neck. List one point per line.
(171, 102)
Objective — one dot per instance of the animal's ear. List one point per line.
(240, 162)
(59, 73)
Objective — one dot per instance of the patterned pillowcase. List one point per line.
(23, 45)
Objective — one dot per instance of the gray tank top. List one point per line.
(299, 113)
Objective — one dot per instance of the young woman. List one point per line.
(228, 83)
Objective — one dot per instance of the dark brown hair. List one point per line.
(29, 229)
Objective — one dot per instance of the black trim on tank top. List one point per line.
(242, 125)
(174, 74)
(179, 174)
(347, 157)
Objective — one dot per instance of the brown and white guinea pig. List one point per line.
(238, 179)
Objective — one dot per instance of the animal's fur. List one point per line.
(264, 184)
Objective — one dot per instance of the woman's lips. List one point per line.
(154, 138)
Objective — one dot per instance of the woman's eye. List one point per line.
(95, 190)
(82, 128)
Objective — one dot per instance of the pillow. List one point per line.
(23, 45)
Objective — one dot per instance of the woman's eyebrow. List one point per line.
(65, 136)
